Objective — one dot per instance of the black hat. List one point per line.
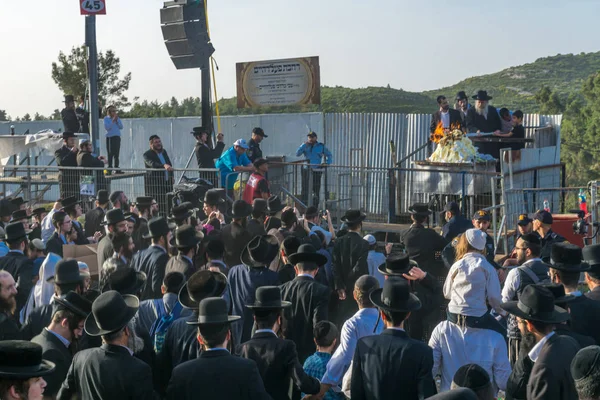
(259, 206)
(15, 231)
(268, 298)
(187, 236)
(69, 98)
(20, 359)
(180, 212)
(274, 205)
(524, 220)
(213, 197)
(567, 257)
(240, 209)
(38, 211)
(307, 254)
(397, 264)
(69, 202)
(419, 209)
(17, 201)
(113, 217)
(259, 131)
(312, 134)
(5, 208)
(67, 135)
(19, 215)
(76, 303)
(585, 362)
(201, 285)
(158, 227)
(472, 376)
(452, 206)
(558, 291)
(132, 217)
(591, 255)
(66, 271)
(213, 310)
(482, 95)
(482, 215)
(272, 223)
(536, 303)
(125, 280)
(260, 251)
(111, 312)
(395, 296)
(461, 95)
(198, 130)
(353, 217)
(456, 394)
(259, 161)
(114, 196)
(102, 196)
(144, 201)
(543, 216)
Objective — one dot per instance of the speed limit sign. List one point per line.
(93, 7)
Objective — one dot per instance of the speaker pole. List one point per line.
(90, 42)
(206, 101)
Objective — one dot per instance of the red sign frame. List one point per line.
(92, 7)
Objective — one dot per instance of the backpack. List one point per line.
(159, 328)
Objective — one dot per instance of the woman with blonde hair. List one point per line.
(472, 285)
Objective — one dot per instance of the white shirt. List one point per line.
(47, 227)
(513, 281)
(445, 117)
(471, 282)
(374, 260)
(537, 349)
(453, 348)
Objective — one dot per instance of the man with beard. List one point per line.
(118, 199)
(9, 330)
(158, 183)
(146, 208)
(153, 260)
(122, 375)
(462, 105)
(547, 354)
(115, 222)
(123, 247)
(16, 261)
(448, 117)
(61, 336)
(484, 118)
(94, 217)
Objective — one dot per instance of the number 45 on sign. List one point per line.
(92, 7)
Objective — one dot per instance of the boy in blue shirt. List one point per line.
(232, 160)
(326, 338)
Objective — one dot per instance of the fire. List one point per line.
(440, 132)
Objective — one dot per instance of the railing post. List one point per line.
(391, 197)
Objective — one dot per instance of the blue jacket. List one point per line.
(227, 162)
(314, 154)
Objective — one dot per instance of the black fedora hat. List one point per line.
(69, 98)
(213, 310)
(558, 291)
(158, 227)
(15, 231)
(395, 296)
(482, 95)
(274, 205)
(125, 280)
(113, 217)
(144, 201)
(536, 303)
(353, 217)
(397, 264)
(456, 394)
(102, 196)
(591, 255)
(272, 223)
(419, 209)
(259, 206)
(213, 197)
(201, 285)
(461, 95)
(67, 135)
(198, 130)
(69, 202)
(19, 215)
(180, 212)
(268, 298)
(20, 359)
(307, 254)
(111, 312)
(66, 271)
(76, 303)
(38, 211)
(260, 251)
(187, 236)
(17, 202)
(240, 209)
(567, 257)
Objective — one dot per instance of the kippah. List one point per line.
(471, 376)
(586, 361)
(115, 195)
(366, 284)
(325, 331)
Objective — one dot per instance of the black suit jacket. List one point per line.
(39, 318)
(206, 156)
(157, 178)
(9, 330)
(107, 372)
(455, 119)
(55, 351)
(227, 376)
(457, 225)
(585, 317)
(93, 218)
(55, 245)
(349, 260)
(21, 269)
(256, 227)
(476, 122)
(310, 301)
(551, 373)
(277, 362)
(390, 364)
(235, 238)
(70, 121)
(594, 294)
(425, 246)
(153, 262)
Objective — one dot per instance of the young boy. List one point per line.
(326, 338)
(505, 120)
(517, 132)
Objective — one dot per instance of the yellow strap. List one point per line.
(212, 67)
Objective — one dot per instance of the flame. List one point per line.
(440, 132)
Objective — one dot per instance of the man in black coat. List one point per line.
(231, 378)
(235, 236)
(16, 263)
(483, 118)
(310, 300)
(254, 151)
(153, 260)
(86, 159)
(591, 255)
(114, 220)
(276, 358)
(158, 183)
(350, 254)
(205, 154)
(446, 116)
(65, 329)
(62, 228)
(256, 225)
(187, 240)
(94, 217)
(9, 329)
(66, 156)
(391, 362)
(456, 223)
(68, 115)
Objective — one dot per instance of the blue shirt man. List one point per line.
(113, 126)
(314, 151)
(234, 160)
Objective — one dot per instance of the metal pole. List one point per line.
(90, 42)
(206, 101)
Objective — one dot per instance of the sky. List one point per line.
(414, 45)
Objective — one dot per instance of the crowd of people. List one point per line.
(258, 301)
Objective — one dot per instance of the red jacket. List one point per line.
(252, 190)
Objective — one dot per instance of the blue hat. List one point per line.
(241, 143)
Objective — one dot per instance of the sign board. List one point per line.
(289, 82)
(92, 7)
(86, 185)
(86, 253)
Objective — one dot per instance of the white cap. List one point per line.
(242, 143)
(370, 239)
(476, 238)
(38, 244)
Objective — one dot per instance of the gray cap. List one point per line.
(38, 244)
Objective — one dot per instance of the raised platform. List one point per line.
(38, 179)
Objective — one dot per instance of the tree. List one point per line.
(3, 115)
(549, 101)
(39, 117)
(56, 115)
(26, 117)
(70, 74)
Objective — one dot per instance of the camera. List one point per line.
(580, 227)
